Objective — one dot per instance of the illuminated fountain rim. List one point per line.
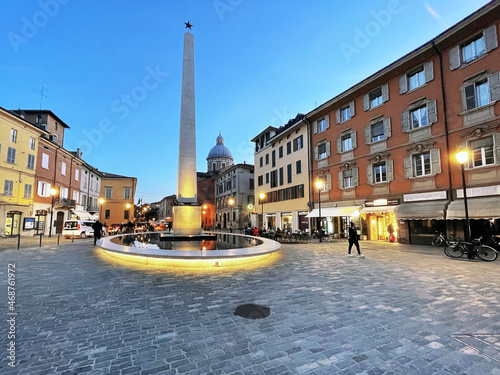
(189, 258)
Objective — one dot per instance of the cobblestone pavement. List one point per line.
(402, 310)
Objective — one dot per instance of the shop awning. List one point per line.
(428, 210)
(83, 215)
(334, 211)
(478, 208)
(374, 209)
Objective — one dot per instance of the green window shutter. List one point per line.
(341, 180)
(403, 84)
(385, 92)
(366, 102)
(327, 149)
(408, 168)
(369, 174)
(389, 169)
(405, 121)
(428, 71)
(368, 134)
(354, 139)
(490, 38)
(496, 147)
(316, 154)
(337, 116)
(494, 83)
(328, 181)
(327, 121)
(431, 111)
(454, 57)
(355, 177)
(435, 161)
(351, 107)
(339, 145)
(387, 127)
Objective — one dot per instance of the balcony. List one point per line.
(65, 203)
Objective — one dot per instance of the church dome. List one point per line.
(219, 150)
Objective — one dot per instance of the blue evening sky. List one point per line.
(113, 68)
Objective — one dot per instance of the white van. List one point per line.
(78, 228)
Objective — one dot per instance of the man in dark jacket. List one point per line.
(97, 227)
(353, 240)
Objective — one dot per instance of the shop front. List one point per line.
(484, 216)
(13, 223)
(336, 220)
(380, 221)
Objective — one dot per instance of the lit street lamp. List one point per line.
(101, 201)
(231, 203)
(462, 158)
(53, 192)
(262, 196)
(319, 184)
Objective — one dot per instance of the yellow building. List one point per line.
(116, 202)
(281, 175)
(18, 150)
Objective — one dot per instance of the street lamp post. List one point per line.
(101, 201)
(262, 196)
(319, 185)
(231, 203)
(462, 158)
(53, 192)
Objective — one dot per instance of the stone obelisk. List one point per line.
(187, 215)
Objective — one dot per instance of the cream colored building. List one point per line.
(281, 163)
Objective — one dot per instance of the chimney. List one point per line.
(79, 153)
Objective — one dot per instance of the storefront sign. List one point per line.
(29, 223)
(479, 192)
(382, 202)
(424, 196)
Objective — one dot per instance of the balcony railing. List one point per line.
(65, 202)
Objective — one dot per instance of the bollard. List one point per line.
(18, 241)
(41, 239)
(72, 238)
(58, 236)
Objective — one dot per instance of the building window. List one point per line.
(346, 142)
(274, 178)
(280, 152)
(43, 189)
(8, 188)
(273, 157)
(419, 117)
(377, 131)
(11, 155)
(251, 183)
(345, 114)
(77, 174)
(289, 147)
(298, 143)
(107, 192)
(375, 98)
(298, 167)
(261, 161)
(260, 180)
(126, 193)
(32, 143)
(322, 151)
(31, 162)
(45, 161)
(477, 94)
(63, 168)
(107, 214)
(13, 135)
(281, 176)
(39, 119)
(348, 180)
(321, 125)
(416, 79)
(63, 192)
(422, 164)
(379, 173)
(289, 173)
(473, 49)
(267, 178)
(27, 191)
(482, 152)
(76, 196)
(222, 165)
(125, 215)
(267, 159)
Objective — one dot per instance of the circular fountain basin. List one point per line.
(205, 250)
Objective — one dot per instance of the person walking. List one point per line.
(97, 227)
(353, 240)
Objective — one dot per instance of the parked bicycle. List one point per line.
(472, 249)
(438, 240)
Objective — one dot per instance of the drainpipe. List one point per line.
(450, 191)
(309, 164)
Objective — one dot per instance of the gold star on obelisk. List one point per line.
(188, 25)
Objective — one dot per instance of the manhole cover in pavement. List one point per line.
(251, 311)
